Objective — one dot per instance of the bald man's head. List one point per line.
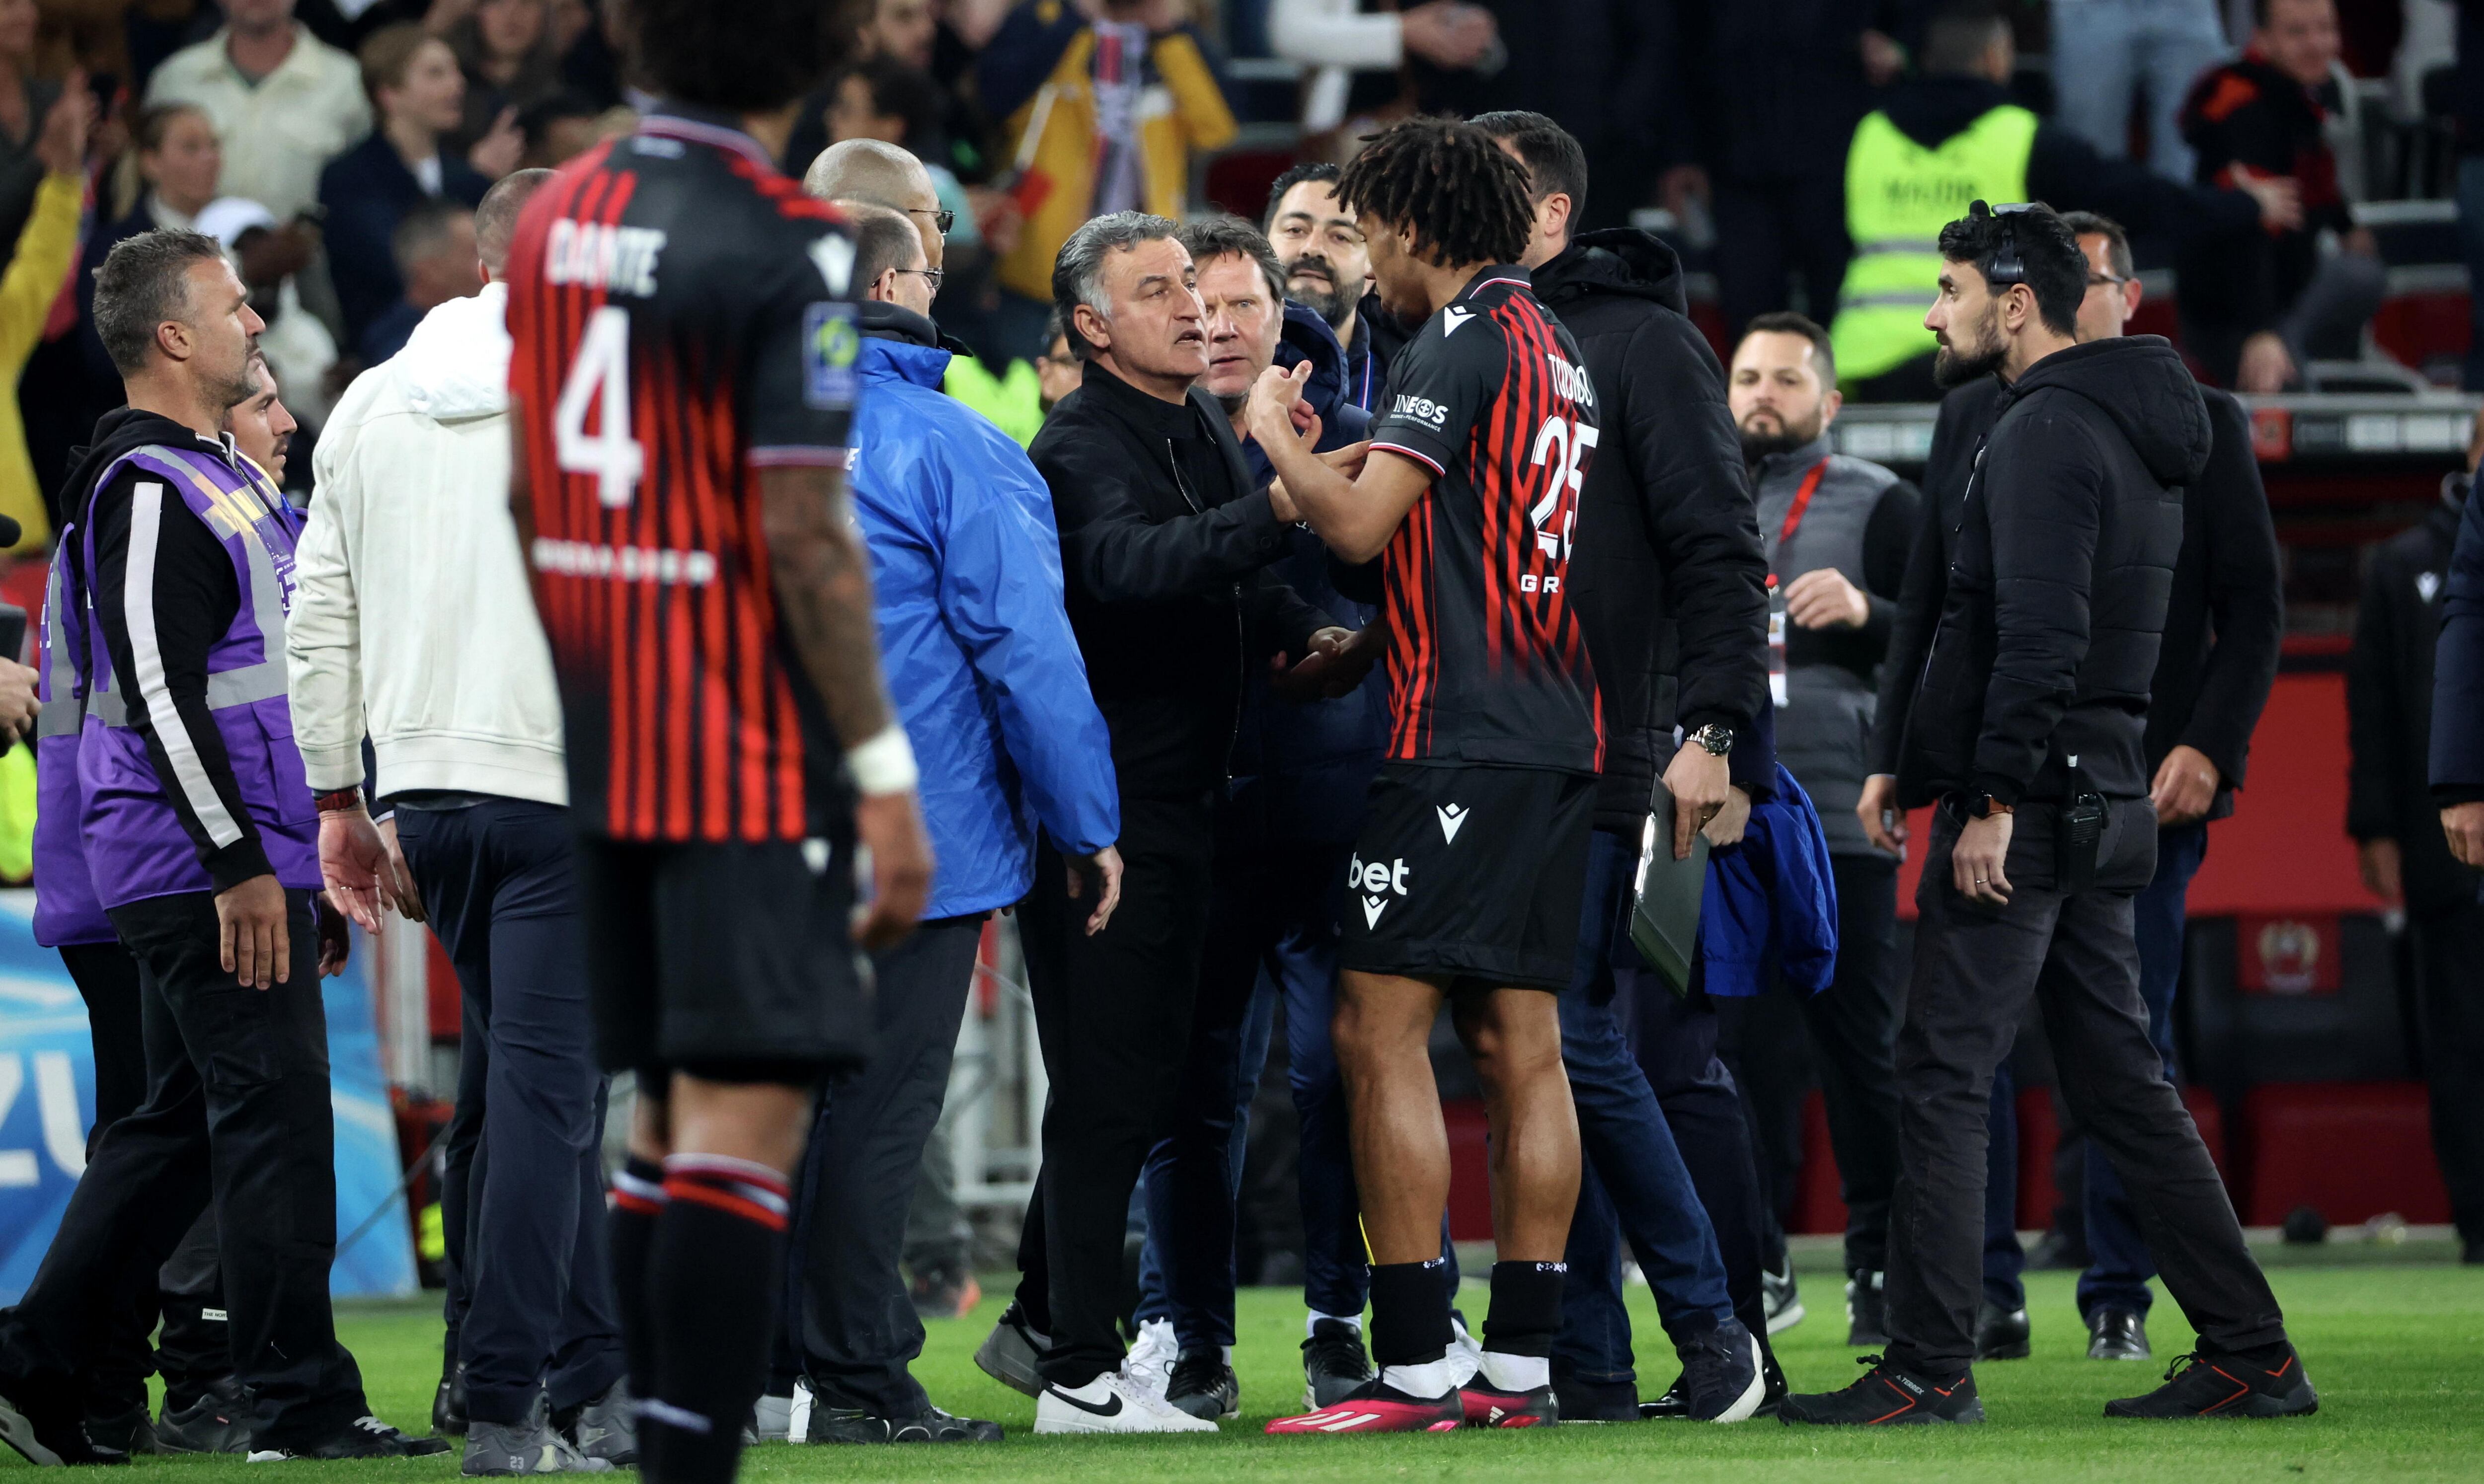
(883, 175)
(496, 220)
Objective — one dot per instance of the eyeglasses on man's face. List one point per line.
(942, 219)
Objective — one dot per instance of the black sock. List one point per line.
(1410, 1317)
(716, 1272)
(637, 1202)
(1525, 1311)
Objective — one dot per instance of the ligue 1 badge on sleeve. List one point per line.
(831, 343)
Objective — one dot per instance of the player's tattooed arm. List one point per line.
(823, 586)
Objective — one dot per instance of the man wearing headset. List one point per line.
(2025, 723)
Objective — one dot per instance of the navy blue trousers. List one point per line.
(529, 1304)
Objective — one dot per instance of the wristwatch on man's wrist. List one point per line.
(339, 801)
(1983, 806)
(1716, 737)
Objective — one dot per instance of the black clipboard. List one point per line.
(1664, 900)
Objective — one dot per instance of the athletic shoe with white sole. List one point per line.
(1112, 1403)
(1721, 1380)
(1013, 1351)
(365, 1436)
(1781, 1298)
(1334, 1364)
(1151, 1360)
(1486, 1405)
(1377, 1407)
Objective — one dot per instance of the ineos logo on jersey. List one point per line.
(1372, 880)
(593, 255)
(1421, 409)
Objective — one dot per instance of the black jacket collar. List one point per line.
(1150, 416)
(881, 321)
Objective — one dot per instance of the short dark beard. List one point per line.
(1956, 369)
(1336, 306)
(1759, 446)
(1233, 401)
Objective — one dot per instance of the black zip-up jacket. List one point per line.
(1164, 542)
(2223, 623)
(2388, 707)
(2060, 561)
(1666, 576)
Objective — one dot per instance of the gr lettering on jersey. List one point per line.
(618, 259)
(1421, 409)
(1568, 381)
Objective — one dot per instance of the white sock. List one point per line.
(1516, 1372)
(1311, 1326)
(1431, 1378)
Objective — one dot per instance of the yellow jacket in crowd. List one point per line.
(1181, 111)
(35, 278)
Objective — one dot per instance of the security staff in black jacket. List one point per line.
(2224, 624)
(1165, 545)
(2393, 810)
(1670, 590)
(2027, 727)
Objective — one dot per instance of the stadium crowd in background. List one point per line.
(776, 486)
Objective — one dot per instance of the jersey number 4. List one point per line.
(600, 379)
(1566, 445)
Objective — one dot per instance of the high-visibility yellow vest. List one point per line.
(1898, 196)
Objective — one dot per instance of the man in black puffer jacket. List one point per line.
(1669, 587)
(2027, 727)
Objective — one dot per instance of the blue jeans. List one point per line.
(1632, 1182)
(2117, 1274)
(2103, 49)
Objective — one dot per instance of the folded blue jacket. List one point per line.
(1771, 908)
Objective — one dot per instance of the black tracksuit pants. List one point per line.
(1113, 1013)
(191, 1353)
(1973, 970)
(853, 1327)
(238, 1112)
(1854, 1038)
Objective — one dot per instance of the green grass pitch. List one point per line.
(2398, 1352)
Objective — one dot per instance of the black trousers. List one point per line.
(238, 1112)
(853, 1325)
(530, 1305)
(191, 1352)
(1973, 970)
(1113, 1013)
(1853, 1035)
(2449, 1001)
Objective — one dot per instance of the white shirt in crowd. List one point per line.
(412, 614)
(281, 131)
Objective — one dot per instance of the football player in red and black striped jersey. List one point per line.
(1466, 881)
(681, 381)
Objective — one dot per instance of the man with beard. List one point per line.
(2027, 725)
(1836, 531)
(1328, 266)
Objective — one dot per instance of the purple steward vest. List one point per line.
(67, 909)
(135, 845)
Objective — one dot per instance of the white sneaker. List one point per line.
(1112, 1403)
(1466, 1352)
(771, 1417)
(1150, 1362)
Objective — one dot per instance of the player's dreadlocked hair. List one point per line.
(1465, 199)
(751, 56)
